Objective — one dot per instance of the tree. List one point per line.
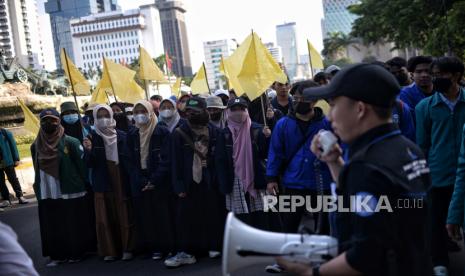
(335, 45)
(436, 26)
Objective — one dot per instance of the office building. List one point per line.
(213, 51)
(286, 37)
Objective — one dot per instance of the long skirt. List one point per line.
(65, 229)
(154, 213)
(114, 220)
(200, 220)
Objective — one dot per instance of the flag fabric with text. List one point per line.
(31, 122)
(199, 84)
(316, 62)
(80, 83)
(148, 70)
(252, 69)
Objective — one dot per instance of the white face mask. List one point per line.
(141, 119)
(167, 113)
(104, 123)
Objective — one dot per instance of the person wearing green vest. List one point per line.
(9, 159)
(60, 177)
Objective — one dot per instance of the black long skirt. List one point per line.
(200, 220)
(66, 228)
(154, 213)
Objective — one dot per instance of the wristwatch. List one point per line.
(316, 270)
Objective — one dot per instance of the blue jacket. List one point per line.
(404, 120)
(96, 160)
(411, 95)
(439, 135)
(224, 158)
(300, 171)
(8, 149)
(158, 163)
(456, 213)
(182, 157)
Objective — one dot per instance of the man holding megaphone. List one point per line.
(379, 163)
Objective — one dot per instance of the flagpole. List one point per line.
(167, 70)
(310, 58)
(70, 79)
(109, 77)
(108, 97)
(206, 77)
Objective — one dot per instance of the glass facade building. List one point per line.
(336, 16)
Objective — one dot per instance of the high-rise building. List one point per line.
(336, 16)
(213, 51)
(62, 11)
(275, 51)
(20, 32)
(116, 35)
(286, 36)
(174, 32)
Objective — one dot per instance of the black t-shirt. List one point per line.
(386, 168)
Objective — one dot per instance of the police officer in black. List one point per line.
(381, 168)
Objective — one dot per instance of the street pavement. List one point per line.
(24, 220)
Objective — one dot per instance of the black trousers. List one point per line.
(292, 220)
(11, 175)
(440, 200)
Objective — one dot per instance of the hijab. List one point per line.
(108, 134)
(174, 120)
(242, 151)
(47, 150)
(146, 131)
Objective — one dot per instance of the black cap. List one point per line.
(364, 82)
(50, 112)
(196, 103)
(237, 101)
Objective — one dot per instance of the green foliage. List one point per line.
(339, 62)
(335, 45)
(25, 139)
(436, 26)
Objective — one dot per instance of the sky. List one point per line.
(225, 19)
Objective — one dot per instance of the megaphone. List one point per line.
(244, 246)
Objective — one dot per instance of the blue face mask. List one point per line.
(71, 119)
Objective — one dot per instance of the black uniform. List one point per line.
(385, 165)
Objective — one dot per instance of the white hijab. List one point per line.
(108, 134)
(145, 132)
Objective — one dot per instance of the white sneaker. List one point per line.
(127, 256)
(213, 254)
(22, 200)
(4, 203)
(54, 263)
(275, 268)
(180, 259)
(440, 271)
(109, 259)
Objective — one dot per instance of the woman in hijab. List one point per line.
(105, 155)
(191, 148)
(152, 196)
(169, 115)
(122, 122)
(59, 185)
(71, 121)
(240, 156)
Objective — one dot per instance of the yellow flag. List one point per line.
(316, 62)
(223, 70)
(80, 84)
(176, 88)
(199, 84)
(31, 123)
(253, 68)
(117, 80)
(148, 70)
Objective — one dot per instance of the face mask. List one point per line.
(119, 116)
(303, 108)
(167, 113)
(199, 119)
(104, 122)
(442, 85)
(402, 79)
(141, 119)
(49, 128)
(130, 117)
(216, 116)
(71, 119)
(238, 116)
